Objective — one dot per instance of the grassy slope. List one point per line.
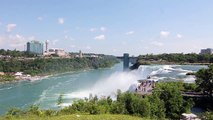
(78, 117)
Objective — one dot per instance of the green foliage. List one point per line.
(157, 108)
(40, 66)
(178, 58)
(166, 101)
(207, 116)
(76, 117)
(15, 53)
(34, 109)
(7, 77)
(50, 113)
(174, 103)
(14, 112)
(60, 99)
(205, 80)
(190, 87)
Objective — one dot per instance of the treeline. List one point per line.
(54, 65)
(15, 53)
(178, 58)
(165, 102)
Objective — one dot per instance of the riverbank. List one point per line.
(17, 70)
(151, 62)
(25, 78)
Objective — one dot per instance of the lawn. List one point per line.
(78, 117)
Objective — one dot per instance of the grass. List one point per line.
(77, 117)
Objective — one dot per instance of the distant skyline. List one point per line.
(109, 26)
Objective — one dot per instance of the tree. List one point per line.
(174, 103)
(205, 80)
(157, 107)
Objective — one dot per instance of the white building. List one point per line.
(56, 51)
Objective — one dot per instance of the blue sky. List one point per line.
(109, 26)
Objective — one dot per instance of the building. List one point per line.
(60, 52)
(80, 54)
(206, 51)
(56, 51)
(126, 61)
(35, 47)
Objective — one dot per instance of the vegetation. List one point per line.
(54, 65)
(176, 58)
(15, 53)
(207, 116)
(7, 77)
(76, 117)
(204, 82)
(170, 94)
(165, 102)
(60, 99)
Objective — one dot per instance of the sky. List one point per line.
(109, 26)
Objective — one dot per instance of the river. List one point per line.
(75, 85)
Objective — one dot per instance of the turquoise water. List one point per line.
(45, 92)
(75, 85)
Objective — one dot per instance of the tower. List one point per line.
(80, 54)
(126, 61)
(46, 45)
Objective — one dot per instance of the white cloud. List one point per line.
(31, 38)
(61, 21)
(92, 29)
(17, 41)
(88, 47)
(66, 31)
(130, 32)
(156, 43)
(114, 50)
(13, 41)
(103, 29)
(68, 37)
(73, 46)
(146, 47)
(54, 42)
(164, 34)
(40, 18)
(123, 43)
(179, 36)
(100, 37)
(10, 27)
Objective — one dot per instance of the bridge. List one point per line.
(126, 60)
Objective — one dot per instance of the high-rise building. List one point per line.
(80, 54)
(35, 47)
(46, 46)
(126, 61)
(206, 51)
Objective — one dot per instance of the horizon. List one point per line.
(109, 27)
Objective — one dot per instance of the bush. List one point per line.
(14, 112)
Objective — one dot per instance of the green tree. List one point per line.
(173, 101)
(205, 80)
(157, 107)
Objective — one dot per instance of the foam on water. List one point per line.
(128, 80)
(108, 86)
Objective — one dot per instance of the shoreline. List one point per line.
(137, 64)
(44, 76)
